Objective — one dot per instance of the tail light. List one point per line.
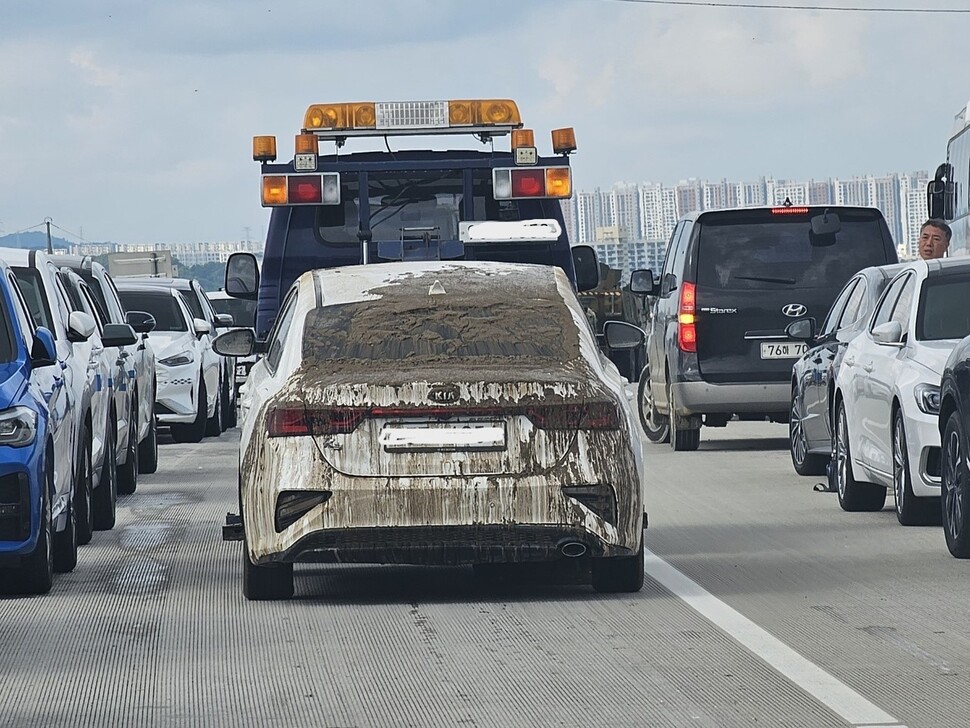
(589, 416)
(297, 421)
(687, 319)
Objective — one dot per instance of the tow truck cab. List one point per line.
(378, 206)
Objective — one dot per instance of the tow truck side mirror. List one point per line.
(586, 266)
(242, 276)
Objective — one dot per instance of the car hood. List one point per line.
(932, 355)
(169, 343)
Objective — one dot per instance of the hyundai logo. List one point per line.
(444, 394)
(794, 310)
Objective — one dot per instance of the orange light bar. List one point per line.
(274, 190)
(340, 116)
(264, 148)
(306, 144)
(522, 138)
(563, 140)
(559, 182)
(407, 116)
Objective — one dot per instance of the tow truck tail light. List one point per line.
(687, 319)
(301, 189)
(517, 183)
(264, 149)
(306, 144)
(523, 138)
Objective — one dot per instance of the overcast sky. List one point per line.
(132, 120)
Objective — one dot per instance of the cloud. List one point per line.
(93, 72)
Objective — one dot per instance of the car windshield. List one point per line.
(943, 311)
(33, 289)
(163, 306)
(243, 312)
(755, 250)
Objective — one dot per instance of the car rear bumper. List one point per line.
(702, 397)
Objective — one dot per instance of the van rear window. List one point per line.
(751, 250)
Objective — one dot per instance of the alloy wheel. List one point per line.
(799, 448)
(841, 452)
(900, 464)
(953, 485)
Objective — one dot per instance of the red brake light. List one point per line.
(296, 421)
(287, 422)
(789, 210)
(528, 183)
(686, 318)
(589, 416)
(305, 189)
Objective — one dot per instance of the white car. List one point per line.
(187, 369)
(436, 413)
(887, 399)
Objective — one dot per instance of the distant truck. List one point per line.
(157, 263)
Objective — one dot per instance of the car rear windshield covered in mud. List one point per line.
(759, 249)
(455, 317)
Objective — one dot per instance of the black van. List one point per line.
(731, 283)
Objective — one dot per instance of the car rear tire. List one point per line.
(194, 431)
(955, 501)
(618, 573)
(853, 495)
(105, 500)
(224, 399)
(804, 462)
(128, 473)
(213, 426)
(655, 426)
(36, 572)
(148, 449)
(84, 491)
(681, 439)
(65, 544)
(266, 583)
(910, 509)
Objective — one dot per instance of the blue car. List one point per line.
(37, 525)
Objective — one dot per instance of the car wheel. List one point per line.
(234, 408)
(853, 495)
(655, 426)
(910, 510)
(37, 570)
(681, 439)
(105, 500)
(266, 583)
(65, 544)
(224, 399)
(128, 473)
(804, 462)
(213, 426)
(618, 573)
(955, 502)
(194, 431)
(148, 449)
(83, 491)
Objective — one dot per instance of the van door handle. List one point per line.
(867, 368)
(849, 362)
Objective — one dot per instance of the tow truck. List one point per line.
(338, 208)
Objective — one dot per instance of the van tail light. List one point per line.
(297, 421)
(687, 318)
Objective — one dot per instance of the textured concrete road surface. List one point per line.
(764, 605)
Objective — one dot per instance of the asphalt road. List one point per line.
(765, 604)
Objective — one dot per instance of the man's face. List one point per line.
(932, 243)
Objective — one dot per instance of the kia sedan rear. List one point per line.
(435, 413)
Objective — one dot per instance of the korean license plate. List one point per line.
(783, 350)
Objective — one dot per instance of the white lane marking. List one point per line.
(836, 695)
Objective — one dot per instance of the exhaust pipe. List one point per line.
(572, 549)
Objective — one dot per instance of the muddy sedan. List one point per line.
(436, 413)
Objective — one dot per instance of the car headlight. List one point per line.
(928, 398)
(18, 426)
(179, 360)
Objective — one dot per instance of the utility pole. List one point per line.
(50, 246)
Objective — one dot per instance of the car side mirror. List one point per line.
(888, 334)
(201, 327)
(118, 335)
(941, 193)
(586, 266)
(801, 330)
(80, 326)
(238, 342)
(43, 352)
(242, 276)
(642, 283)
(224, 320)
(625, 346)
(141, 321)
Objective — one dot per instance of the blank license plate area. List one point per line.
(783, 350)
(423, 436)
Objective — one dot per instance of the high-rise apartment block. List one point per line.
(642, 216)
